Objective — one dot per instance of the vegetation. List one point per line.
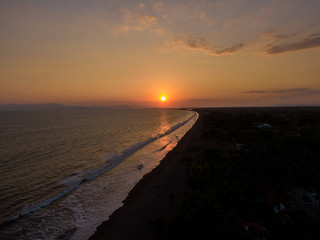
(255, 176)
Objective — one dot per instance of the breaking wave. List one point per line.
(112, 160)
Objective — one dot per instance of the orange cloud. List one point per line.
(142, 6)
(158, 7)
(137, 22)
(147, 20)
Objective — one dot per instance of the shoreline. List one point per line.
(154, 197)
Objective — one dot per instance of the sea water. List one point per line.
(62, 173)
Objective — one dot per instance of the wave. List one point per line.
(112, 160)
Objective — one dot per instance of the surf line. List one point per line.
(112, 160)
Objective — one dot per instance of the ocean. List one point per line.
(62, 173)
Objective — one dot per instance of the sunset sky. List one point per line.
(197, 53)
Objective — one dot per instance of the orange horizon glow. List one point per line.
(230, 54)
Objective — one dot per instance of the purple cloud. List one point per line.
(311, 42)
(286, 93)
(272, 34)
(197, 43)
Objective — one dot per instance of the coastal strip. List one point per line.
(155, 197)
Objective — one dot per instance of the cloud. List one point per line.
(194, 43)
(273, 35)
(303, 91)
(158, 7)
(232, 49)
(199, 43)
(147, 20)
(310, 42)
(255, 91)
(137, 22)
(142, 6)
(285, 36)
(286, 93)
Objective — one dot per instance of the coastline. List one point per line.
(154, 197)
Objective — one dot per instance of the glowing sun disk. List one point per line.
(163, 98)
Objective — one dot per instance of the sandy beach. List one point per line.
(155, 197)
(207, 185)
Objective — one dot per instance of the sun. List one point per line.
(163, 98)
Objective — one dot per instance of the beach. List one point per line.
(237, 174)
(154, 197)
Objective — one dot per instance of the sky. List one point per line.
(217, 53)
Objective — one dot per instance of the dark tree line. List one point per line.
(229, 187)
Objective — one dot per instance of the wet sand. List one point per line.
(155, 197)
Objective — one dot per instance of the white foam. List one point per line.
(112, 160)
(33, 207)
(99, 207)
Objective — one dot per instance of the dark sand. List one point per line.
(154, 197)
